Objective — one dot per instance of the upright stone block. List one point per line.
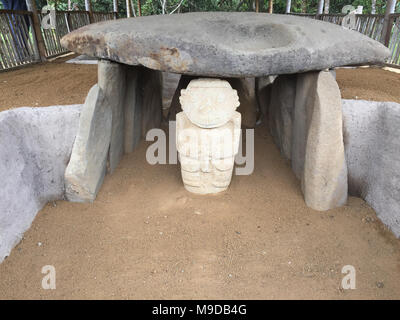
(111, 80)
(151, 82)
(305, 120)
(170, 82)
(280, 112)
(133, 104)
(305, 96)
(248, 108)
(319, 138)
(263, 93)
(87, 166)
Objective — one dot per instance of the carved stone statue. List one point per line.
(208, 132)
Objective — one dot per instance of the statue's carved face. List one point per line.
(209, 103)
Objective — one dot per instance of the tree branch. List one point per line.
(177, 7)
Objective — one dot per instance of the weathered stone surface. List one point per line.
(209, 103)
(169, 85)
(207, 155)
(304, 102)
(175, 103)
(305, 119)
(151, 86)
(248, 108)
(263, 94)
(226, 44)
(245, 91)
(133, 104)
(372, 144)
(324, 180)
(87, 166)
(111, 81)
(35, 146)
(281, 106)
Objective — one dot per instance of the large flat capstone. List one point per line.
(226, 44)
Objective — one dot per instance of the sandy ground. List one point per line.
(46, 84)
(146, 237)
(369, 84)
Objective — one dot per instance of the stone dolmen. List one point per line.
(303, 104)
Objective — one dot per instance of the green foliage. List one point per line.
(298, 6)
(150, 7)
(336, 6)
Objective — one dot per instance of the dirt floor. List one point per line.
(146, 237)
(46, 84)
(369, 84)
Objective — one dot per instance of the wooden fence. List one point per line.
(19, 45)
(394, 43)
(103, 16)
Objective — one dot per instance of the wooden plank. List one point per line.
(23, 12)
(28, 40)
(9, 56)
(36, 26)
(19, 37)
(4, 52)
(34, 40)
(12, 41)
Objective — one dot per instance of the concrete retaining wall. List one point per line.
(35, 147)
(372, 145)
(36, 144)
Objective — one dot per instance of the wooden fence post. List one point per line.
(389, 28)
(288, 6)
(128, 9)
(139, 8)
(37, 29)
(387, 22)
(68, 21)
(88, 8)
(326, 6)
(115, 6)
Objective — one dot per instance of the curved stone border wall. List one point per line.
(372, 145)
(36, 144)
(35, 147)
